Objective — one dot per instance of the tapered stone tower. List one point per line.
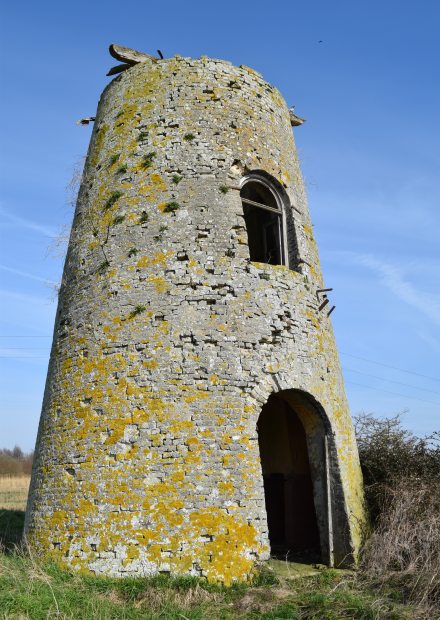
(194, 419)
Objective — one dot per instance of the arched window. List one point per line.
(263, 214)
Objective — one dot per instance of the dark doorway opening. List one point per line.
(288, 483)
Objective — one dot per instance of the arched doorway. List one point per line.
(291, 439)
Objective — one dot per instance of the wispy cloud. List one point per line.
(431, 340)
(24, 298)
(25, 274)
(394, 280)
(22, 222)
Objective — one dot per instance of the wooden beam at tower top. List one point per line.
(128, 55)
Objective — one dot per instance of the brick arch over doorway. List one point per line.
(302, 486)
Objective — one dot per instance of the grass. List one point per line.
(170, 207)
(13, 498)
(118, 219)
(103, 266)
(147, 160)
(113, 159)
(11, 528)
(159, 236)
(34, 590)
(137, 310)
(13, 491)
(113, 198)
(31, 589)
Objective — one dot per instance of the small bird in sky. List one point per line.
(320, 41)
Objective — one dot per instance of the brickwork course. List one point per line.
(169, 340)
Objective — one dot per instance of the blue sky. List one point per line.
(365, 75)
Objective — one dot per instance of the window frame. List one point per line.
(279, 210)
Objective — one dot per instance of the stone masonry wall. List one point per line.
(168, 340)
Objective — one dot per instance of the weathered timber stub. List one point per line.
(194, 419)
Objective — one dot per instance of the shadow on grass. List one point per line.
(11, 528)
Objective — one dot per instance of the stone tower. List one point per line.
(194, 419)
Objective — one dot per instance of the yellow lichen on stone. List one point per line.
(169, 340)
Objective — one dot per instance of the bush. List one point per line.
(15, 461)
(388, 452)
(402, 484)
(404, 549)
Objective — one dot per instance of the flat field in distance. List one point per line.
(13, 492)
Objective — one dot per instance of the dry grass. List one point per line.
(404, 550)
(156, 599)
(13, 492)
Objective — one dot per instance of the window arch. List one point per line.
(264, 218)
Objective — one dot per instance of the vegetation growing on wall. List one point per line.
(111, 200)
(147, 160)
(171, 206)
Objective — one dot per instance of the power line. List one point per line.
(415, 387)
(358, 357)
(22, 357)
(370, 387)
(24, 348)
(409, 372)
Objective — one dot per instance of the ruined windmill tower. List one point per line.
(194, 418)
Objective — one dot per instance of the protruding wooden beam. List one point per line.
(119, 68)
(295, 120)
(85, 121)
(128, 55)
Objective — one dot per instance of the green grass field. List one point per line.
(36, 591)
(29, 590)
(13, 497)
